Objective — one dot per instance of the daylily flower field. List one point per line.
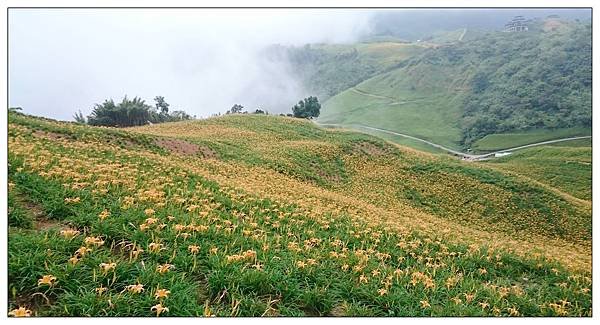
(274, 216)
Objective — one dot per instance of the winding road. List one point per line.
(462, 155)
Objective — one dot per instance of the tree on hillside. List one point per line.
(161, 105)
(235, 109)
(129, 112)
(259, 111)
(79, 118)
(307, 108)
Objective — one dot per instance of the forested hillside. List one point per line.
(538, 79)
(500, 82)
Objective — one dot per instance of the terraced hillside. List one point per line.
(260, 215)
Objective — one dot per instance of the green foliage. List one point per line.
(537, 79)
(307, 108)
(127, 113)
(161, 105)
(131, 113)
(235, 109)
(79, 118)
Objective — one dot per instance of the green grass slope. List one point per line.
(327, 69)
(567, 168)
(250, 224)
(495, 142)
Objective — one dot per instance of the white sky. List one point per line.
(201, 60)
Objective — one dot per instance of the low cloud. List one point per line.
(201, 60)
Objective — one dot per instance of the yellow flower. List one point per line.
(150, 221)
(513, 311)
(136, 251)
(214, 250)
(69, 233)
(363, 279)
(163, 268)
(185, 235)
(484, 305)
(106, 267)
(300, 264)
(73, 260)
(159, 309)
(47, 279)
(482, 271)
(82, 251)
(161, 293)
(425, 304)
(451, 281)
(345, 267)
(469, 297)
(375, 272)
(72, 200)
(20, 312)
(194, 249)
(101, 290)
(104, 214)
(149, 212)
(155, 247)
(135, 288)
(457, 300)
(96, 241)
(382, 291)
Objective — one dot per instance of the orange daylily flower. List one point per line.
(159, 309)
(161, 293)
(47, 279)
(20, 312)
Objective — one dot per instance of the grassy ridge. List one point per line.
(349, 162)
(494, 142)
(568, 169)
(175, 222)
(421, 100)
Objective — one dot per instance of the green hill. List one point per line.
(327, 69)
(250, 215)
(497, 83)
(567, 168)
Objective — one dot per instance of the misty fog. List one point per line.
(201, 60)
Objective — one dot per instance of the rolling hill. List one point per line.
(327, 69)
(462, 94)
(249, 215)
